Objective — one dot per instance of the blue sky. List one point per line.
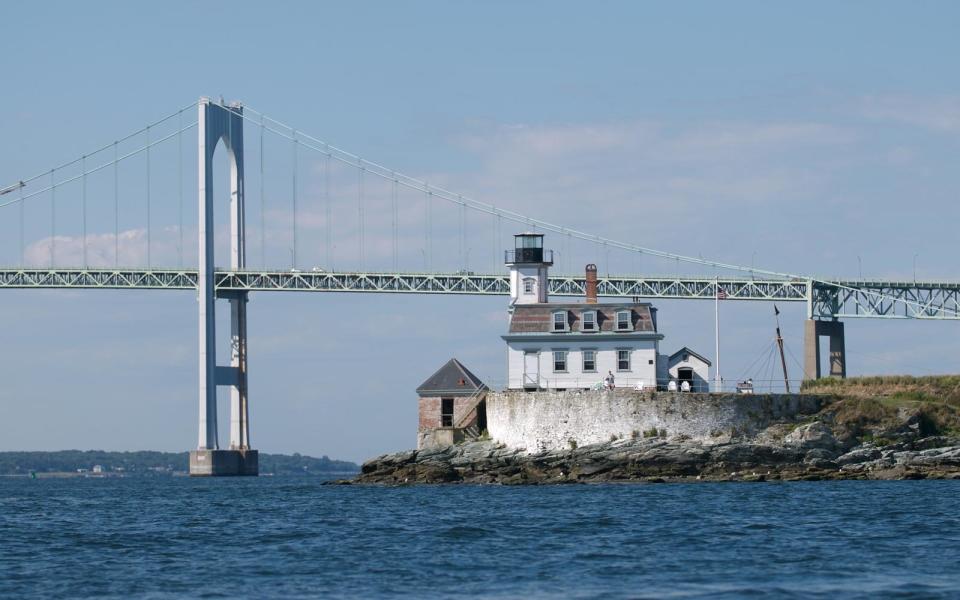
(798, 137)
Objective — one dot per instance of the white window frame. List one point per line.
(529, 285)
(583, 360)
(583, 321)
(629, 320)
(566, 360)
(629, 360)
(553, 321)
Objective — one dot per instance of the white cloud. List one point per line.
(941, 114)
(128, 248)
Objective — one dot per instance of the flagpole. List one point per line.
(716, 317)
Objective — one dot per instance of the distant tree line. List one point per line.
(154, 463)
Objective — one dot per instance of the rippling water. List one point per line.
(292, 537)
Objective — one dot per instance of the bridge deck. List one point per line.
(834, 299)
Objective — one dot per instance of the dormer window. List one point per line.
(560, 320)
(588, 320)
(528, 285)
(623, 320)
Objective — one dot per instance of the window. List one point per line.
(528, 284)
(560, 320)
(623, 360)
(559, 361)
(589, 320)
(623, 320)
(589, 361)
(446, 412)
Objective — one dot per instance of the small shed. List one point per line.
(451, 400)
(687, 365)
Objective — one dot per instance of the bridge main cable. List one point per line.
(356, 161)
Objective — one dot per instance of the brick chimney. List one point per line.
(591, 284)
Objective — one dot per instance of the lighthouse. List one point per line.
(528, 263)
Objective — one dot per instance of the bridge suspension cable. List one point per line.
(299, 139)
(356, 161)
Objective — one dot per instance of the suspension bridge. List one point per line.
(326, 220)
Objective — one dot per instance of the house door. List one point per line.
(446, 412)
(531, 369)
(685, 374)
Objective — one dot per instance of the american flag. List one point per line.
(721, 293)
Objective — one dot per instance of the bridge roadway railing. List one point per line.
(834, 299)
(413, 283)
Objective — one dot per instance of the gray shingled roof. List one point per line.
(538, 318)
(452, 379)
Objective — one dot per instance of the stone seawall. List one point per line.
(546, 421)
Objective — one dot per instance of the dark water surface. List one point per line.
(292, 537)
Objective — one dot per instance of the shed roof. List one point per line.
(691, 353)
(452, 379)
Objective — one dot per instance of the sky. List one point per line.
(815, 139)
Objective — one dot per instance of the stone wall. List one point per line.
(538, 421)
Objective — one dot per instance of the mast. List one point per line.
(783, 360)
(718, 381)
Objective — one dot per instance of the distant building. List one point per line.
(98, 468)
(687, 365)
(579, 345)
(451, 406)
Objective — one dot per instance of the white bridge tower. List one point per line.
(220, 122)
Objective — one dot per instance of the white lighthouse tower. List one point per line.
(528, 263)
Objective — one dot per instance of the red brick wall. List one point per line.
(430, 411)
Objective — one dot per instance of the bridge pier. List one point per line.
(813, 330)
(215, 123)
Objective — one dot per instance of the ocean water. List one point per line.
(293, 537)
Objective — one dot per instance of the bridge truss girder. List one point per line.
(845, 299)
(885, 300)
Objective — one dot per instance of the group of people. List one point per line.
(609, 382)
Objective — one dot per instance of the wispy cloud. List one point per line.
(939, 114)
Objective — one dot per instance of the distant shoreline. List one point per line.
(147, 463)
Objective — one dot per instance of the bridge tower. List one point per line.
(221, 122)
(813, 330)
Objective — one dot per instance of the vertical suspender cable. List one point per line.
(263, 227)
(295, 159)
(53, 219)
(360, 212)
(180, 188)
(460, 236)
(328, 226)
(498, 242)
(21, 225)
(116, 209)
(426, 225)
(430, 230)
(83, 206)
(396, 244)
(148, 196)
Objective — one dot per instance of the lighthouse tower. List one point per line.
(528, 263)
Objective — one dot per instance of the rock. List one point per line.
(808, 452)
(859, 455)
(819, 454)
(812, 435)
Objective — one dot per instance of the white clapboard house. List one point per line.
(578, 345)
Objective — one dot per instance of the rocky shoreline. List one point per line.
(849, 439)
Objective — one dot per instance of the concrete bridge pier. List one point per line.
(813, 330)
(218, 122)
